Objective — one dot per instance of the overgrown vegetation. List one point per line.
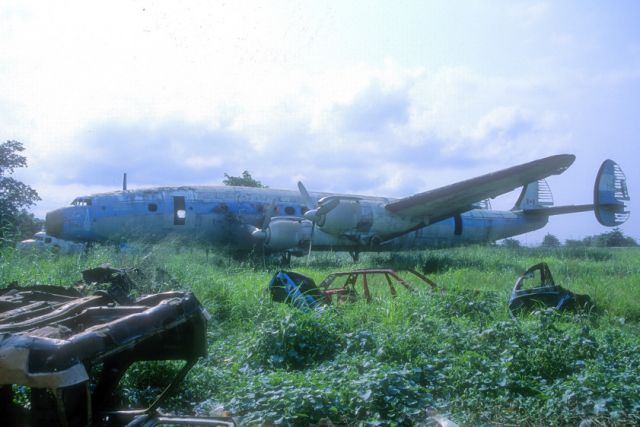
(246, 180)
(394, 361)
(15, 196)
(610, 239)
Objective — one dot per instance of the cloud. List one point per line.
(399, 131)
(171, 152)
(181, 95)
(504, 123)
(373, 110)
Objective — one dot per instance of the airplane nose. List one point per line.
(54, 222)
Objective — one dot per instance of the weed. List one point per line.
(453, 351)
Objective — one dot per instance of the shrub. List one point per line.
(295, 341)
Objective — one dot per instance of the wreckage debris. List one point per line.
(302, 291)
(546, 295)
(72, 350)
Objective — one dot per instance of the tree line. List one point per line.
(16, 222)
(611, 239)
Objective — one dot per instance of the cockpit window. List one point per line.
(82, 201)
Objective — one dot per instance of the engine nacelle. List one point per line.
(349, 216)
(286, 233)
(341, 219)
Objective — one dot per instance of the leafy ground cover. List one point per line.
(394, 361)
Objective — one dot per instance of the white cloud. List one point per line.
(178, 93)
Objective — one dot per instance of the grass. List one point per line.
(394, 361)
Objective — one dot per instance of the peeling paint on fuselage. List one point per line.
(225, 216)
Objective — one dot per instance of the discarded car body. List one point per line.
(301, 291)
(72, 350)
(43, 242)
(546, 294)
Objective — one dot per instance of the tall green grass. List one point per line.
(453, 351)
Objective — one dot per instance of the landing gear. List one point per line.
(286, 259)
(355, 255)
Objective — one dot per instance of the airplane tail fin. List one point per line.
(609, 196)
(535, 195)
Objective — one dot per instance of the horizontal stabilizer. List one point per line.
(449, 200)
(609, 197)
(559, 210)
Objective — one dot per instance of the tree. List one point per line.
(572, 243)
(511, 243)
(15, 196)
(550, 241)
(246, 180)
(614, 238)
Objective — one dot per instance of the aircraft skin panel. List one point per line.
(459, 197)
(219, 223)
(478, 227)
(269, 220)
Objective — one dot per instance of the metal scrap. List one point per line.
(72, 350)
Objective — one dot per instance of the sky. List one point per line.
(386, 98)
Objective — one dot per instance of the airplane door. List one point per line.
(179, 210)
(182, 215)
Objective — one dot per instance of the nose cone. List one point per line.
(259, 235)
(54, 222)
(311, 215)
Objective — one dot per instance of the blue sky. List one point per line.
(380, 98)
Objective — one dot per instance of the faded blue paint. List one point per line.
(227, 215)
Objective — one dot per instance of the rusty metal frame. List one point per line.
(348, 289)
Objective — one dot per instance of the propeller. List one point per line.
(261, 233)
(317, 213)
(325, 205)
(310, 203)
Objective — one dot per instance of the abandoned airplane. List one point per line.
(293, 222)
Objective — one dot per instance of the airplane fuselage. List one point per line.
(225, 216)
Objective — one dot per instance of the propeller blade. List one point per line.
(327, 207)
(315, 215)
(311, 204)
(313, 228)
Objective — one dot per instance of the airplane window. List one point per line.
(289, 210)
(81, 202)
(152, 207)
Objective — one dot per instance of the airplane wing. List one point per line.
(434, 205)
